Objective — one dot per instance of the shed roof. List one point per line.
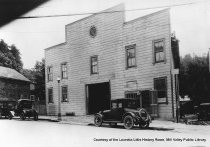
(9, 73)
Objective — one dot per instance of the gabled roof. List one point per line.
(11, 74)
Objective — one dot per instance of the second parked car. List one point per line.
(6, 105)
(203, 111)
(24, 109)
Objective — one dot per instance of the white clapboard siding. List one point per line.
(113, 34)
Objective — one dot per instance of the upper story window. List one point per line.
(50, 95)
(64, 70)
(64, 94)
(93, 31)
(50, 73)
(131, 55)
(159, 53)
(160, 84)
(94, 64)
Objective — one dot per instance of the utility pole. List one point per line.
(59, 101)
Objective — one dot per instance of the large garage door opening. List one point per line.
(98, 97)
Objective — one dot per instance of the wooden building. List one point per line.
(106, 58)
(13, 85)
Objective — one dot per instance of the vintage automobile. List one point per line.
(126, 111)
(24, 109)
(203, 111)
(6, 105)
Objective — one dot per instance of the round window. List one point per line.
(93, 31)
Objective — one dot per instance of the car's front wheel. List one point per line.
(22, 116)
(35, 116)
(128, 122)
(10, 116)
(144, 124)
(98, 120)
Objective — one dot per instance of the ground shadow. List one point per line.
(135, 127)
(3, 117)
(29, 119)
(160, 129)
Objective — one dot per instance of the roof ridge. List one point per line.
(11, 73)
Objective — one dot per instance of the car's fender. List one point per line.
(12, 113)
(35, 111)
(128, 113)
(100, 114)
(25, 111)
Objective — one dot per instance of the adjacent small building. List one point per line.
(13, 85)
(105, 58)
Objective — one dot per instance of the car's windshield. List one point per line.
(126, 103)
(25, 104)
(116, 105)
(131, 104)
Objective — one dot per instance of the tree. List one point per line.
(10, 56)
(40, 80)
(37, 76)
(194, 78)
(16, 62)
(30, 74)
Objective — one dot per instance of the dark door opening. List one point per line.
(98, 97)
(147, 99)
(149, 102)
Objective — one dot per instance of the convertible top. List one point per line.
(24, 100)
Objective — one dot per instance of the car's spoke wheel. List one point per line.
(144, 124)
(199, 117)
(128, 122)
(98, 120)
(22, 116)
(10, 116)
(35, 116)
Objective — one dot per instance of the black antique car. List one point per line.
(6, 105)
(203, 111)
(126, 111)
(24, 109)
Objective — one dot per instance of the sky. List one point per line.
(191, 24)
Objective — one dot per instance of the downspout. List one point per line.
(177, 98)
(172, 96)
(171, 75)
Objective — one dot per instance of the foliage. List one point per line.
(195, 78)
(40, 80)
(37, 75)
(30, 74)
(10, 56)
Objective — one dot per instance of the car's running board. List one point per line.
(111, 121)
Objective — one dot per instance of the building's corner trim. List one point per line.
(64, 43)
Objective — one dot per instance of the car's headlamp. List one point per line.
(143, 114)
